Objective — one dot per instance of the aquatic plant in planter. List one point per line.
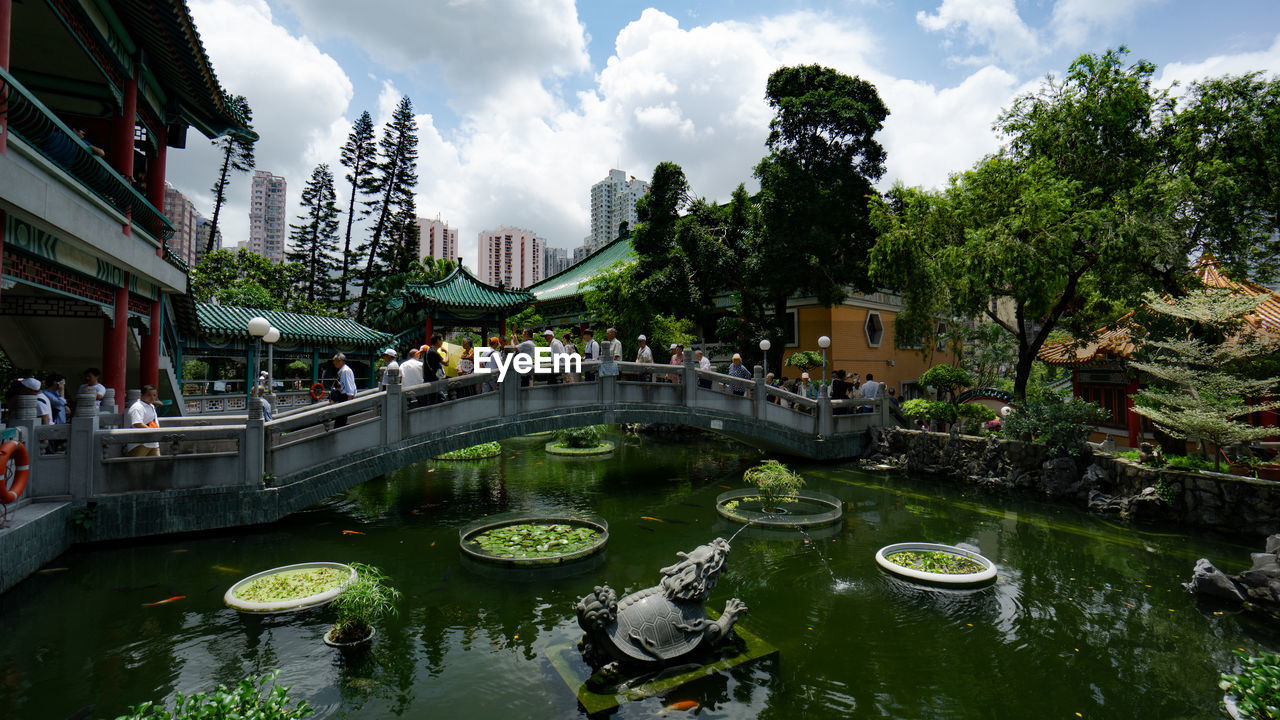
(254, 697)
(775, 483)
(1254, 693)
(364, 601)
(475, 452)
(536, 540)
(588, 440)
(289, 588)
(936, 564)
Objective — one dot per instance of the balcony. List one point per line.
(41, 130)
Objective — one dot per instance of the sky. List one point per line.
(523, 104)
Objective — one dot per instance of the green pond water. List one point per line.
(1087, 619)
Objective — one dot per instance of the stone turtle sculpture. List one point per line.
(662, 624)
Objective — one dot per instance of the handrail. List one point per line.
(40, 128)
(316, 415)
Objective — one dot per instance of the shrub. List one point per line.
(974, 411)
(582, 437)
(1062, 426)
(1257, 687)
(806, 360)
(939, 410)
(254, 697)
(775, 481)
(475, 452)
(364, 601)
(947, 379)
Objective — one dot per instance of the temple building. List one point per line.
(97, 94)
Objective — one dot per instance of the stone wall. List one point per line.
(1102, 483)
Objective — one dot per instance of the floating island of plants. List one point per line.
(483, 451)
(524, 542)
(778, 500)
(936, 564)
(289, 588)
(588, 440)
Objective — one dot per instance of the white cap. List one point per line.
(611, 330)
(804, 376)
(31, 383)
(736, 356)
(389, 351)
(673, 346)
(642, 338)
(550, 332)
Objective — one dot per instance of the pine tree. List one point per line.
(391, 186)
(358, 156)
(1200, 388)
(237, 156)
(314, 238)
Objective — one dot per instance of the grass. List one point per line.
(1173, 462)
(536, 540)
(935, 562)
(368, 598)
(292, 585)
(475, 452)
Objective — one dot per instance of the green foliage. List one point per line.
(933, 561)
(536, 540)
(775, 481)
(976, 411)
(195, 370)
(587, 436)
(920, 409)
(246, 279)
(1196, 389)
(986, 351)
(237, 157)
(475, 452)
(947, 379)
(1062, 426)
(314, 239)
(297, 369)
(84, 517)
(254, 698)
(358, 156)
(364, 601)
(385, 308)
(806, 360)
(389, 192)
(1257, 687)
(526, 318)
(292, 585)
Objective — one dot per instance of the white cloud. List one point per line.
(298, 95)
(1076, 22)
(1267, 61)
(993, 24)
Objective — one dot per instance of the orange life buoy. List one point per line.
(317, 391)
(17, 453)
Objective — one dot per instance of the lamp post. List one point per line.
(257, 327)
(824, 342)
(270, 339)
(764, 348)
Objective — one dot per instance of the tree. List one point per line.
(619, 299)
(358, 156)
(948, 380)
(315, 237)
(237, 156)
(244, 278)
(815, 185)
(1198, 390)
(390, 186)
(1067, 223)
(806, 360)
(386, 308)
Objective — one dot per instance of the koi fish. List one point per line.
(726, 487)
(225, 569)
(352, 532)
(645, 527)
(646, 517)
(165, 601)
(433, 543)
(682, 706)
(50, 571)
(179, 550)
(432, 470)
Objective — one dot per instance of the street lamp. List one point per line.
(824, 342)
(764, 347)
(257, 327)
(270, 339)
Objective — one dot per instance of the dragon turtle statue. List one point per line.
(659, 625)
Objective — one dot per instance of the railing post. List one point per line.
(254, 449)
(757, 373)
(109, 402)
(82, 455)
(608, 396)
(509, 395)
(689, 375)
(826, 424)
(393, 410)
(883, 403)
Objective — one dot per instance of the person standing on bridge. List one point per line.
(142, 414)
(644, 355)
(704, 363)
(466, 365)
(411, 370)
(677, 359)
(740, 371)
(527, 348)
(570, 350)
(433, 367)
(557, 351)
(344, 388)
(610, 353)
(388, 356)
(590, 350)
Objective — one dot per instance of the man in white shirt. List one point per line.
(142, 414)
(92, 377)
(644, 354)
(590, 350)
(388, 356)
(411, 370)
(610, 353)
(870, 390)
(345, 388)
(527, 348)
(44, 410)
(704, 363)
(557, 350)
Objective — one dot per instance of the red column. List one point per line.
(1135, 420)
(149, 370)
(155, 176)
(122, 128)
(430, 328)
(6, 21)
(502, 331)
(115, 347)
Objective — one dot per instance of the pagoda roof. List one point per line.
(233, 320)
(463, 291)
(576, 279)
(1117, 341)
(174, 52)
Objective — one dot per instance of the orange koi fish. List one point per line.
(165, 601)
(726, 487)
(646, 517)
(352, 532)
(682, 705)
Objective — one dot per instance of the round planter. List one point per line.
(474, 552)
(604, 448)
(283, 606)
(986, 576)
(810, 509)
(353, 645)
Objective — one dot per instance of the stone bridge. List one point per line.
(225, 471)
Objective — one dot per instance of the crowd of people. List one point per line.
(53, 407)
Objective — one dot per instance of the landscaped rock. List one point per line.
(1209, 581)
(1148, 505)
(1266, 568)
(1273, 543)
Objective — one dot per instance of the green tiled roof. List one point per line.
(463, 290)
(232, 320)
(576, 280)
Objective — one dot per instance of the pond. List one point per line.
(1086, 620)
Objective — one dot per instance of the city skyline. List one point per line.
(522, 106)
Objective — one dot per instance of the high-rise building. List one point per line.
(436, 239)
(182, 214)
(580, 253)
(554, 260)
(203, 225)
(267, 216)
(511, 257)
(613, 202)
